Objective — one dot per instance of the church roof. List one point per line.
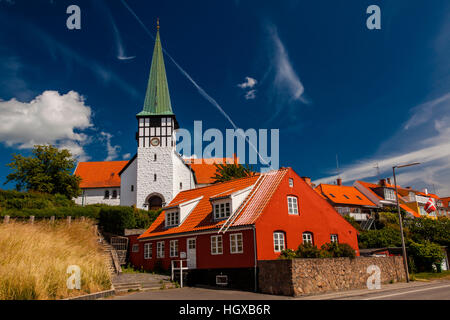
(205, 169)
(157, 98)
(102, 174)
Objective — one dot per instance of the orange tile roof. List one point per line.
(205, 169)
(101, 174)
(343, 195)
(201, 216)
(446, 201)
(370, 186)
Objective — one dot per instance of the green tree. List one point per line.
(386, 237)
(426, 254)
(426, 229)
(227, 172)
(47, 170)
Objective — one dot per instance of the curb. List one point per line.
(95, 296)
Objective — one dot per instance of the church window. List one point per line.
(154, 177)
(155, 122)
(181, 185)
(114, 194)
(107, 194)
(132, 188)
(155, 157)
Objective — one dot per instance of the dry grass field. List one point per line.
(34, 260)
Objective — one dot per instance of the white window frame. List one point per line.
(160, 249)
(148, 253)
(172, 218)
(222, 210)
(173, 248)
(389, 194)
(279, 241)
(308, 237)
(135, 247)
(292, 205)
(216, 245)
(334, 238)
(236, 243)
(291, 182)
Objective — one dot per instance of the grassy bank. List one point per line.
(431, 275)
(34, 259)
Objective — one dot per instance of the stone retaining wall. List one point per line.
(311, 276)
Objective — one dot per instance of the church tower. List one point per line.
(160, 172)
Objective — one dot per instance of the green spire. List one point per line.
(157, 98)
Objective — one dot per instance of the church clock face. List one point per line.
(154, 142)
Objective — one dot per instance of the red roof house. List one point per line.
(225, 228)
(347, 200)
(100, 174)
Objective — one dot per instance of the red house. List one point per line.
(225, 228)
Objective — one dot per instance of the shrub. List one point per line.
(287, 254)
(145, 218)
(336, 250)
(328, 250)
(387, 237)
(116, 219)
(426, 255)
(308, 250)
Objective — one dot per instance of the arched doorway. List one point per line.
(155, 201)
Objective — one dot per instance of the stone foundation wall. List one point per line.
(311, 276)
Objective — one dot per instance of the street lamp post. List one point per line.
(405, 261)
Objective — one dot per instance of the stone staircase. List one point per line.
(141, 281)
(109, 252)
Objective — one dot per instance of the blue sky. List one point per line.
(327, 82)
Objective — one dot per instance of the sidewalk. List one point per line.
(362, 292)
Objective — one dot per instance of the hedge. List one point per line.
(10, 199)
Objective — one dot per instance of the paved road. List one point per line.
(435, 290)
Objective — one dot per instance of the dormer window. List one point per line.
(389, 194)
(222, 210)
(172, 218)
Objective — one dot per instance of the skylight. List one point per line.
(332, 195)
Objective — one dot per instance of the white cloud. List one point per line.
(250, 95)
(425, 138)
(249, 83)
(286, 79)
(50, 118)
(113, 151)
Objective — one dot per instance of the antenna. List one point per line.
(337, 166)
(378, 169)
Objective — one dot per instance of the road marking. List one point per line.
(400, 293)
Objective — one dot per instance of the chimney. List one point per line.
(389, 180)
(339, 181)
(425, 190)
(409, 187)
(307, 180)
(382, 182)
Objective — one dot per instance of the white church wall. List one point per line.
(97, 195)
(128, 182)
(183, 176)
(147, 167)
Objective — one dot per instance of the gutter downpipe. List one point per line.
(256, 259)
